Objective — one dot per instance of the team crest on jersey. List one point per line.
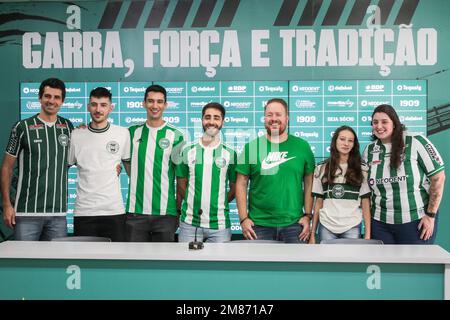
(376, 149)
(63, 139)
(338, 191)
(164, 143)
(113, 147)
(221, 162)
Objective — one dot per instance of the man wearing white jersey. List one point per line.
(155, 149)
(97, 150)
(203, 176)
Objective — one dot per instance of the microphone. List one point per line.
(196, 245)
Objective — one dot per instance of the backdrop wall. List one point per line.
(226, 40)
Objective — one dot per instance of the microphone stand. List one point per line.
(196, 245)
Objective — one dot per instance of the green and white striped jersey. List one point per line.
(154, 155)
(208, 170)
(42, 152)
(401, 195)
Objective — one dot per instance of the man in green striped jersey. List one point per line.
(206, 170)
(280, 169)
(41, 143)
(155, 149)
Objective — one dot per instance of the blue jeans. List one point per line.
(353, 233)
(40, 228)
(287, 234)
(404, 233)
(187, 234)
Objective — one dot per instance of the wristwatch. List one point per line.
(309, 215)
(430, 214)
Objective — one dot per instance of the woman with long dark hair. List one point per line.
(340, 188)
(406, 174)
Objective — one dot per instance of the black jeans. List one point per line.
(150, 228)
(112, 227)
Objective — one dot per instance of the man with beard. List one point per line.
(97, 151)
(280, 169)
(206, 170)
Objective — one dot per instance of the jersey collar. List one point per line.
(98, 130)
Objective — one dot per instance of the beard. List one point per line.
(275, 132)
(212, 131)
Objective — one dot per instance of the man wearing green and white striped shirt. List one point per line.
(206, 177)
(155, 149)
(41, 144)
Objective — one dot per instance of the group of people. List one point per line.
(393, 190)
